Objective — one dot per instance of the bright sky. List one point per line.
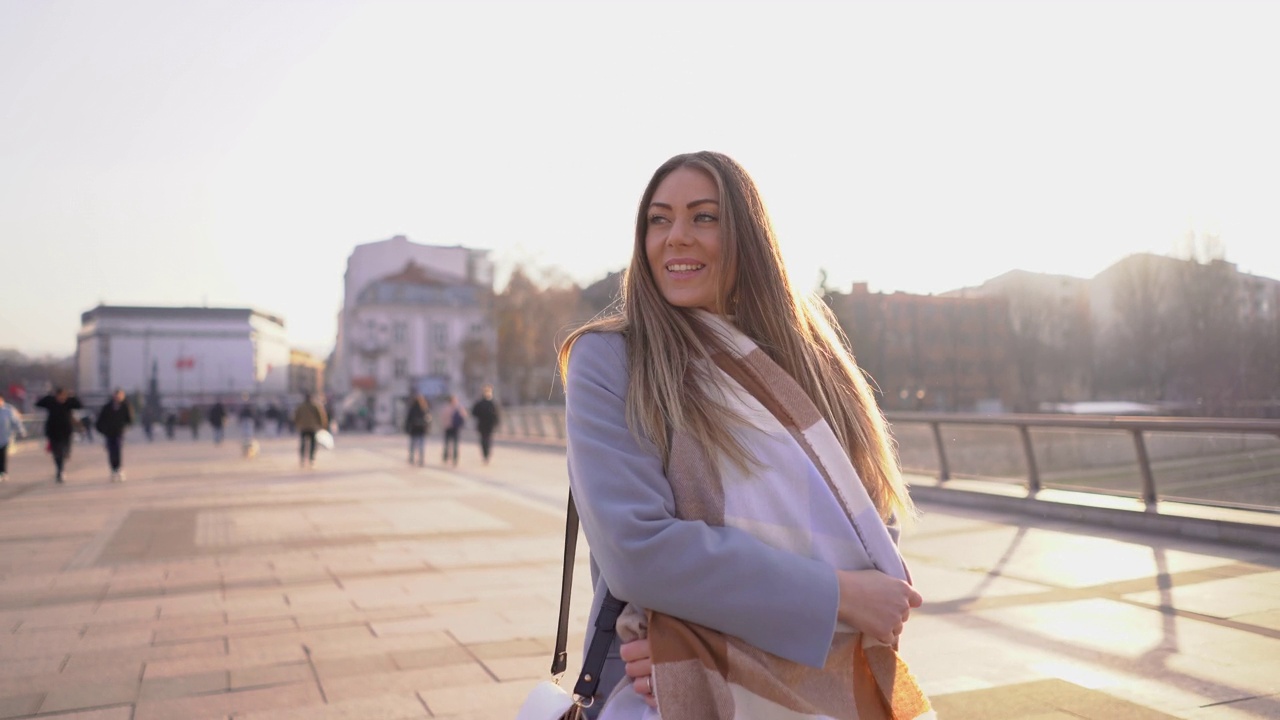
(233, 152)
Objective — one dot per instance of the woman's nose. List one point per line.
(679, 233)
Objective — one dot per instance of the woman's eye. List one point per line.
(656, 219)
(704, 217)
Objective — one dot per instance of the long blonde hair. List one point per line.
(666, 392)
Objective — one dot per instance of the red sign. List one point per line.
(17, 391)
(185, 363)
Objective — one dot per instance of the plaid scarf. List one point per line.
(803, 495)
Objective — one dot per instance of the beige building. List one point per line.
(414, 317)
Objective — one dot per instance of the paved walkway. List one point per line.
(211, 586)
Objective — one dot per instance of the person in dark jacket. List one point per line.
(217, 419)
(59, 425)
(417, 422)
(486, 414)
(113, 419)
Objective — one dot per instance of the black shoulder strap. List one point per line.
(606, 620)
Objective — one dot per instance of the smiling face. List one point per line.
(682, 239)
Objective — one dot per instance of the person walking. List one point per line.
(10, 428)
(456, 418)
(485, 411)
(310, 419)
(417, 423)
(85, 423)
(735, 479)
(248, 430)
(217, 419)
(113, 419)
(195, 417)
(59, 425)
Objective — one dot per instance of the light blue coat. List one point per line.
(10, 424)
(720, 577)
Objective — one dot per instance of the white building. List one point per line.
(413, 317)
(196, 354)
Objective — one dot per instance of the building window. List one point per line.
(440, 336)
(399, 331)
(401, 368)
(439, 367)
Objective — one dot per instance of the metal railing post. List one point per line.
(1033, 471)
(1144, 466)
(944, 471)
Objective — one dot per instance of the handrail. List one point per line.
(546, 424)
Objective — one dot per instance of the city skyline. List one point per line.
(233, 154)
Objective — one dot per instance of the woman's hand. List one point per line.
(875, 603)
(639, 669)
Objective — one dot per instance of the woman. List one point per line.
(734, 476)
(455, 419)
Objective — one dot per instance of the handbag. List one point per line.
(547, 700)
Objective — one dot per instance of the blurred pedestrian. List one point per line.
(195, 417)
(85, 423)
(115, 417)
(217, 418)
(10, 428)
(59, 423)
(310, 419)
(170, 424)
(417, 422)
(248, 430)
(455, 419)
(485, 411)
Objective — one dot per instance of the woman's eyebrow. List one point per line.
(665, 206)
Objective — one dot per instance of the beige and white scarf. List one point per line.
(803, 495)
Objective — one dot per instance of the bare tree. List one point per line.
(534, 310)
(1133, 359)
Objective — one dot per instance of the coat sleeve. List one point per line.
(720, 577)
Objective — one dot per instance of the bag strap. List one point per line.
(606, 619)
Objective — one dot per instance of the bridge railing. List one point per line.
(1210, 461)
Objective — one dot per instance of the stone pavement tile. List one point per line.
(182, 621)
(1227, 598)
(80, 697)
(1269, 619)
(336, 667)
(179, 667)
(317, 599)
(40, 642)
(101, 637)
(1250, 709)
(481, 700)
(224, 629)
(1056, 558)
(149, 653)
(262, 675)
(383, 707)
(1040, 699)
(24, 667)
(317, 640)
(162, 688)
(516, 648)
(430, 657)
(121, 712)
(355, 686)
(352, 615)
(104, 670)
(51, 617)
(189, 604)
(26, 703)
(517, 668)
(220, 705)
(126, 609)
